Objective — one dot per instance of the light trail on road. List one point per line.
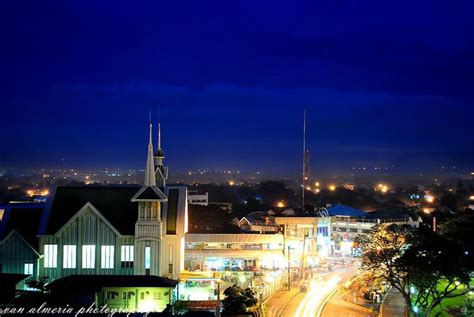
(318, 292)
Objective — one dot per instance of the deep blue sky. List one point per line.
(384, 82)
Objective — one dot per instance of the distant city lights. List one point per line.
(37, 192)
(383, 188)
(281, 204)
(231, 183)
(332, 188)
(429, 198)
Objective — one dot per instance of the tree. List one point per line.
(238, 300)
(380, 251)
(424, 266)
(435, 268)
(210, 219)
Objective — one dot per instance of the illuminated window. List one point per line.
(88, 256)
(69, 256)
(147, 257)
(2, 211)
(50, 255)
(127, 253)
(28, 269)
(126, 256)
(107, 257)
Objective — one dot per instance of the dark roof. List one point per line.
(257, 216)
(97, 282)
(113, 202)
(342, 210)
(24, 218)
(387, 214)
(150, 193)
(12, 279)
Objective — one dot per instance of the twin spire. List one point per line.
(150, 173)
(149, 190)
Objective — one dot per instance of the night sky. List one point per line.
(384, 82)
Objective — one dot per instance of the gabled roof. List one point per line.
(24, 218)
(257, 216)
(97, 282)
(149, 193)
(345, 211)
(113, 202)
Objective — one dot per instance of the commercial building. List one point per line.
(197, 197)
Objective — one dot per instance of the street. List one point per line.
(336, 306)
(297, 304)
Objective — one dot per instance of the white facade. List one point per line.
(196, 197)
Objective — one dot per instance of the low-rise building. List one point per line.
(230, 251)
(197, 197)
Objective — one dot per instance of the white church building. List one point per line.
(116, 230)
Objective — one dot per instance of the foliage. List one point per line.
(210, 219)
(34, 284)
(179, 308)
(425, 267)
(238, 300)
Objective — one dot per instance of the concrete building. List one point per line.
(245, 251)
(197, 197)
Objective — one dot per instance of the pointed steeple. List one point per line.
(149, 191)
(159, 152)
(161, 171)
(150, 166)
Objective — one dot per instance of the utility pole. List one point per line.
(304, 155)
(289, 270)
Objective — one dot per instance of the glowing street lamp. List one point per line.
(429, 198)
(281, 204)
(332, 188)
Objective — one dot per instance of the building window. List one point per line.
(352, 230)
(324, 231)
(88, 256)
(147, 258)
(156, 295)
(142, 295)
(50, 255)
(107, 257)
(126, 295)
(69, 256)
(170, 268)
(111, 295)
(126, 256)
(28, 269)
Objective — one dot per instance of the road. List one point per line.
(336, 306)
(308, 304)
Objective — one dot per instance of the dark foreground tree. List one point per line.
(238, 300)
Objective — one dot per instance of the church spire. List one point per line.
(150, 166)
